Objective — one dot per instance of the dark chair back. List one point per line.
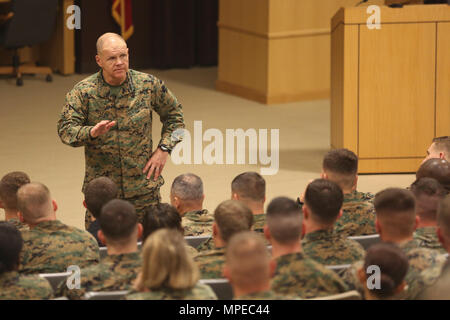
(33, 23)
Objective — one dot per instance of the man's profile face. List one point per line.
(432, 153)
(113, 59)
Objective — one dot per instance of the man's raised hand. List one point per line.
(101, 128)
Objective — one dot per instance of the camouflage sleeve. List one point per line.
(71, 124)
(170, 113)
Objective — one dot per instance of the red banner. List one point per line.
(121, 12)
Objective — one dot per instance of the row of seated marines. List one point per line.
(284, 252)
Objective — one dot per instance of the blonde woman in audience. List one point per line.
(168, 272)
(392, 264)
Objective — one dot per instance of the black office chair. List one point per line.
(32, 23)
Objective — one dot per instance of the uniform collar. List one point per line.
(319, 235)
(103, 88)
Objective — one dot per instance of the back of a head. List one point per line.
(187, 187)
(284, 220)
(249, 186)
(34, 202)
(248, 260)
(10, 246)
(118, 221)
(166, 262)
(10, 183)
(442, 144)
(159, 216)
(98, 192)
(324, 198)
(443, 217)
(341, 165)
(395, 210)
(393, 265)
(232, 216)
(428, 193)
(438, 169)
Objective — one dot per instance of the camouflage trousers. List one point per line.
(139, 202)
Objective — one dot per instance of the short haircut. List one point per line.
(443, 217)
(428, 193)
(324, 198)
(34, 201)
(393, 265)
(248, 260)
(11, 244)
(232, 216)
(166, 264)
(343, 164)
(188, 187)
(442, 144)
(284, 220)
(118, 220)
(159, 216)
(98, 192)
(395, 210)
(10, 183)
(101, 40)
(249, 185)
(438, 169)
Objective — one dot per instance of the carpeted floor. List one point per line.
(29, 141)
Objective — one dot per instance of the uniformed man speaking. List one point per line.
(110, 114)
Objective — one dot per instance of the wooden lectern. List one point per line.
(390, 87)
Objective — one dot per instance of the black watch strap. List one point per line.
(165, 148)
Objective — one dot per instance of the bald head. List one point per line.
(34, 202)
(111, 40)
(438, 169)
(248, 260)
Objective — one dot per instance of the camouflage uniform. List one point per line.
(18, 287)
(206, 245)
(19, 225)
(198, 292)
(210, 263)
(329, 248)
(124, 150)
(419, 260)
(52, 246)
(265, 295)
(427, 238)
(358, 217)
(437, 282)
(114, 272)
(259, 221)
(197, 223)
(297, 275)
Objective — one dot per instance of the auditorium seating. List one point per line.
(195, 241)
(350, 295)
(105, 295)
(367, 241)
(55, 278)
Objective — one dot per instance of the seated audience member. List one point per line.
(396, 222)
(437, 279)
(323, 203)
(250, 188)
(168, 272)
(428, 193)
(12, 285)
(249, 269)
(230, 217)
(187, 196)
(358, 214)
(120, 231)
(50, 246)
(392, 265)
(440, 149)
(163, 215)
(438, 169)
(9, 185)
(295, 273)
(96, 194)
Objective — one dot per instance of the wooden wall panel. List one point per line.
(443, 80)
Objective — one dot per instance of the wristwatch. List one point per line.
(165, 148)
